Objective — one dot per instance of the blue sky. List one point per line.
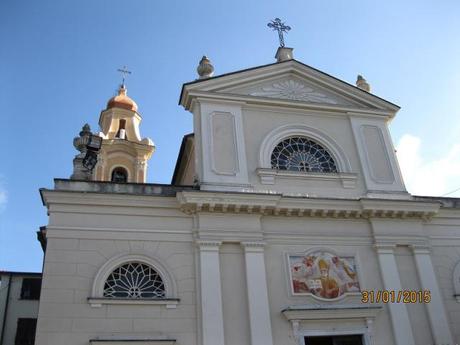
(58, 62)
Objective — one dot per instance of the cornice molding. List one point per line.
(294, 104)
(325, 312)
(100, 198)
(267, 204)
(278, 205)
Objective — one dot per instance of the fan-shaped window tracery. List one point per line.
(302, 154)
(134, 280)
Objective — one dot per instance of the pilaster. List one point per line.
(211, 293)
(402, 328)
(435, 308)
(259, 310)
(140, 170)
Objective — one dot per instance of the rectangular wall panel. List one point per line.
(379, 164)
(224, 150)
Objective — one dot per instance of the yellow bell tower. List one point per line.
(124, 154)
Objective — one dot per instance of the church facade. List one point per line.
(287, 222)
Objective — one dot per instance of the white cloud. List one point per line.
(428, 177)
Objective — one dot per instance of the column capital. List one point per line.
(253, 246)
(208, 245)
(420, 248)
(385, 247)
(141, 163)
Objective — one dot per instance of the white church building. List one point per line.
(287, 222)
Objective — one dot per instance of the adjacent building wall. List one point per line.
(12, 306)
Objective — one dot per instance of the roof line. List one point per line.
(276, 63)
(18, 273)
(179, 157)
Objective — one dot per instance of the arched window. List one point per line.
(134, 280)
(119, 175)
(302, 154)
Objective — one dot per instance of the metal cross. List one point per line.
(278, 25)
(124, 71)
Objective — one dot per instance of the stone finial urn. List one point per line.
(363, 84)
(80, 142)
(205, 69)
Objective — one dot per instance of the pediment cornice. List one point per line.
(299, 84)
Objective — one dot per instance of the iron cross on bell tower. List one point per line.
(278, 25)
(124, 71)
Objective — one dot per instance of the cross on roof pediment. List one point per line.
(288, 83)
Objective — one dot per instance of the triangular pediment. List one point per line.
(291, 87)
(286, 83)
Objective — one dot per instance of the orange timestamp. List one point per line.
(393, 296)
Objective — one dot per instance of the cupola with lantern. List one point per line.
(123, 154)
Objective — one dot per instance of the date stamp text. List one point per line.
(396, 296)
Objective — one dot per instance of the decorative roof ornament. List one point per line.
(205, 69)
(277, 25)
(80, 142)
(363, 84)
(283, 53)
(293, 90)
(121, 100)
(124, 72)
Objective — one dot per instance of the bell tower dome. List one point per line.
(124, 154)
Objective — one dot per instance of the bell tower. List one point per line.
(124, 154)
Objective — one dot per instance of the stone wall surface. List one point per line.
(73, 259)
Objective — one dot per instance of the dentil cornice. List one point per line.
(192, 202)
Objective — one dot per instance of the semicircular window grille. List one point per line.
(302, 154)
(134, 280)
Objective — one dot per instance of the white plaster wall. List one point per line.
(258, 123)
(444, 260)
(17, 308)
(81, 238)
(444, 231)
(294, 235)
(77, 248)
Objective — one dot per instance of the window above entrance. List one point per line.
(303, 155)
(297, 152)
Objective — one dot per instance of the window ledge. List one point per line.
(170, 303)
(269, 176)
(129, 341)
